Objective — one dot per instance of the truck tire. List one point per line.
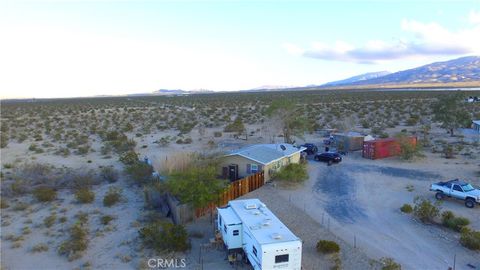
(470, 203)
(439, 195)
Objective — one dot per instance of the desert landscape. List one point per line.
(71, 200)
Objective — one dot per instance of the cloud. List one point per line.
(427, 39)
(474, 17)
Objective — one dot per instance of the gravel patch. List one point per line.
(310, 231)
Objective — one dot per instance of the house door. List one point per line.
(233, 172)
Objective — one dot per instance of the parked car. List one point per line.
(311, 148)
(330, 157)
(457, 189)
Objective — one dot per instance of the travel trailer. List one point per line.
(249, 228)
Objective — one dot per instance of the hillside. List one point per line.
(358, 78)
(462, 70)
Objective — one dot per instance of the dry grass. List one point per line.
(178, 162)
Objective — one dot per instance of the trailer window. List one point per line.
(235, 232)
(281, 258)
(254, 251)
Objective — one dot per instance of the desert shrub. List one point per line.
(389, 264)
(83, 180)
(45, 194)
(455, 223)
(50, 220)
(129, 158)
(109, 174)
(217, 134)
(293, 172)
(112, 197)
(470, 239)
(164, 236)
(77, 242)
(424, 210)
(42, 247)
(106, 219)
(235, 126)
(84, 195)
(139, 172)
(406, 208)
(62, 151)
(164, 141)
(326, 247)
(3, 203)
(20, 206)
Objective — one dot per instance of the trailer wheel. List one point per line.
(469, 203)
(439, 195)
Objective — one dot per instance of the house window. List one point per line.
(254, 168)
(235, 232)
(281, 258)
(254, 251)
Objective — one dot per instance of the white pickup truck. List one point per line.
(457, 189)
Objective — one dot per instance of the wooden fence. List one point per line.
(234, 190)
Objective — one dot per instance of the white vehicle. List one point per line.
(457, 189)
(250, 228)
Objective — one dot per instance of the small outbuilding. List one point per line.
(268, 158)
(349, 141)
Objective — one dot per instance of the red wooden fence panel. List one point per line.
(234, 190)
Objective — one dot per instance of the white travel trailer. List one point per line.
(248, 226)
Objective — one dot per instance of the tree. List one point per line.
(450, 111)
(292, 122)
(293, 172)
(236, 126)
(197, 185)
(408, 149)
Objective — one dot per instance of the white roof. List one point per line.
(266, 153)
(476, 122)
(265, 227)
(229, 217)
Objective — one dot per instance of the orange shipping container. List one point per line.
(383, 148)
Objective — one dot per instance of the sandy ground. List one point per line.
(359, 201)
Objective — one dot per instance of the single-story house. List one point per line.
(476, 125)
(268, 158)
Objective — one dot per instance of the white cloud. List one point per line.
(474, 17)
(428, 39)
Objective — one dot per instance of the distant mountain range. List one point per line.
(464, 70)
(358, 78)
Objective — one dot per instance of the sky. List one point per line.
(72, 48)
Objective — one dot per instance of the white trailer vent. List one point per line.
(251, 206)
(276, 236)
(266, 222)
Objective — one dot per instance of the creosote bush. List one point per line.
(109, 174)
(425, 210)
(164, 236)
(389, 264)
(112, 197)
(455, 223)
(84, 195)
(50, 220)
(406, 208)
(45, 194)
(470, 239)
(293, 172)
(327, 247)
